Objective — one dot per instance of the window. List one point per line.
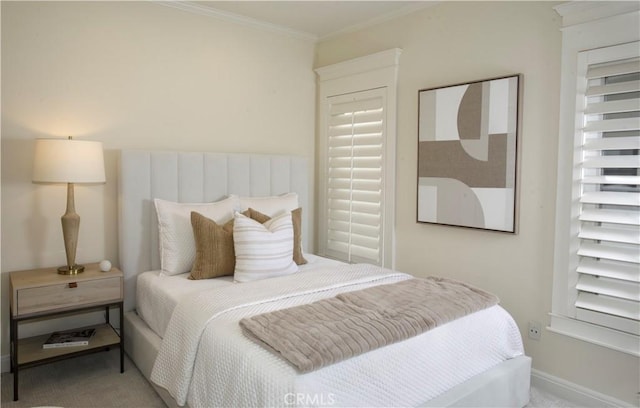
(355, 150)
(608, 287)
(603, 264)
(357, 159)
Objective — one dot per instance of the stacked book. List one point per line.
(71, 338)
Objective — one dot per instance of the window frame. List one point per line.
(379, 70)
(585, 27)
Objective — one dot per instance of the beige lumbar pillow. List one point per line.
(296, 218)
(215, 255)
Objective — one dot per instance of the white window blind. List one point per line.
(354, 179)
(607, 290)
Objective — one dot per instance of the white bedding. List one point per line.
(157, 294)
(206, 360)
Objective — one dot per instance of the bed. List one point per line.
(225, 368)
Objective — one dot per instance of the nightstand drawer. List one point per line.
(68, 295)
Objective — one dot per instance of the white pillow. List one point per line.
(271, 205)
(263, 250)
(177, 245)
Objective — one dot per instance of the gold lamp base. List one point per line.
(71, 270)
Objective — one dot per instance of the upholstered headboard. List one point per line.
(193, 178)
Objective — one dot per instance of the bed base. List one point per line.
(505, 385)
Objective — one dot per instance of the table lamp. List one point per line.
(69, 161)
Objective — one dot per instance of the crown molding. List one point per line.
(580, 12)
(194, 8)
(409, 9)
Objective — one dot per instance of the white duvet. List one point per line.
(206, 361)
(158, 294)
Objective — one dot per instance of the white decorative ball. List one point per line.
(105, 266)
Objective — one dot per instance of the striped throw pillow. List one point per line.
(263, 250)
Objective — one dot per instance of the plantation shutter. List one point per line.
(608, 271)
(355, 166)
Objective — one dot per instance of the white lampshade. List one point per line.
(68, 161)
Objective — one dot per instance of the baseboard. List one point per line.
(5, 363)
(582, 396)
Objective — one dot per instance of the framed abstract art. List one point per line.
(468, 140)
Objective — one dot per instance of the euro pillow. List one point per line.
(296, 219)
(177, 245)
(263, 250)
(271, 205)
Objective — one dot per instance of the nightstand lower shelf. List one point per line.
(32, 353)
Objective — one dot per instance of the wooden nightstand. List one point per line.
(42, 293)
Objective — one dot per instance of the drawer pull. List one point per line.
(73, 285)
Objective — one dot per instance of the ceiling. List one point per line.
(312, 19)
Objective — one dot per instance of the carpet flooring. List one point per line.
(94, 381)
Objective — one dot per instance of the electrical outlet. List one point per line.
(535, 330)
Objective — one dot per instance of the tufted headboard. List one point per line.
(193, 178)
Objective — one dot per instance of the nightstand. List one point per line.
(43, 293)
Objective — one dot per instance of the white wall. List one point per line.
(133, 75)
(456, 42)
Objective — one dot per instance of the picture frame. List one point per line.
(468, 150)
